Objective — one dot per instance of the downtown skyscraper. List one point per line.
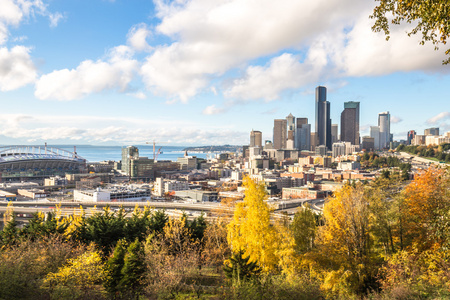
(323, 121)
(279, 133)
(350, 123)
(384, 123)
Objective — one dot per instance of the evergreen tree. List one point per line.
(158, 220)
(133, 269)
(240, 268)
(10, 232)
(114, 268)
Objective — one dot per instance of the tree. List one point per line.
(133, 268)
(427, 209)
(430, 17)
(304, 229)
(114, 266)
(240, 267)
(250, 230)
(79, 278)
(345, 239)
(158, 220)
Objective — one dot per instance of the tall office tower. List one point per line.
(290, 122)
(375, 134)
(410, 136)
(303, 134)
(128, 153)
(279, 133)
(255, 138)
(290, 143)
(350, 123)
(431, 131)
(334, 133)
(314, 142)
(323, 121)
(384, 123)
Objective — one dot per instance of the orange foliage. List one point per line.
(426, 199)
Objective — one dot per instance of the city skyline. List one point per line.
(195, 72)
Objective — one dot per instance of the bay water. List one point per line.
(100, 153)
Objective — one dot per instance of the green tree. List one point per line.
(158, 220)
(304, 229)
(240, 267)
(133, 268)
(114, 268)
(430, 19)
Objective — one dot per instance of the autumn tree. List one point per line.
(81, 277)
(250, 230)
(215, 246)
(345, 240)
(429, 17)
(427, 209)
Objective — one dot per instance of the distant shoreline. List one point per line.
(222, 148)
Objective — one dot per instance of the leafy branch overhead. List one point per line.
(431, 19)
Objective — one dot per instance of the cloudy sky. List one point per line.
(197, 72)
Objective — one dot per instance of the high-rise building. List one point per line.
(314, 142)
(431, 131)
(255, 138)
(384, 123)
(279, 133)
(290, 122)
(375, 134)
(410, 137)
(303, 134)
(323, 121)
(368, 143)
(334, 133)
(128, 153)
(350, 123)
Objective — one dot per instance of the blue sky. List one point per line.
(204, 71)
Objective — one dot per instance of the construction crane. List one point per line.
(155, 154)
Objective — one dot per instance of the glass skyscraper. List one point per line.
(323, 121)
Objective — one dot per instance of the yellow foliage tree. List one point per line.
(251, 231)
(345, 239)
(81, 276)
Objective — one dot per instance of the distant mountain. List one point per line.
(222, 148)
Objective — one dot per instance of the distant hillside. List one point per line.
(222, 148)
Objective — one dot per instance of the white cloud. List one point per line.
(16, 68)
(137, 37)
(215, 36)
(212, 37)
(139, 95)
(439, 117)
(362, 52)
(89, 77)
(13, 12)
(395, 120)
(213, 110)
(281, 73)
(89, 129)
(55, 18)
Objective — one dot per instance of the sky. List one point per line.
(202, 72)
